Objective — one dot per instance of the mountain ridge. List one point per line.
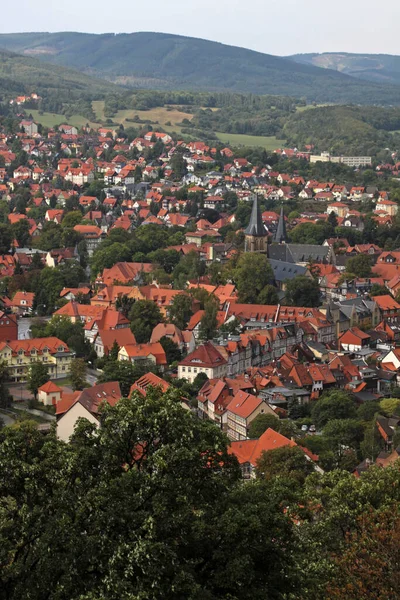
(169, 61)
(377, 68)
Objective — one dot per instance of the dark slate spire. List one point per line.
(280, 234)
(256, 226)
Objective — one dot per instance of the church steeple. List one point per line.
(256, 234)
(280, 234)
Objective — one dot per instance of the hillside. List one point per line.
(380, 68)
(23, 74)
(345, 130)
(165, 61)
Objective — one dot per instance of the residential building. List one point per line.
(8, 327)
(248, 452)
(87, 405)
(205, 359)
(22, 303)
(19, 355)
(241, 411)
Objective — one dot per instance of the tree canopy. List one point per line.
(149, 505)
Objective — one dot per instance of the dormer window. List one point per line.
(61, 349)
(33, 351)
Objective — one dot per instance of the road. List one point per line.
(33, 411)
(7, 420)
(24, 327)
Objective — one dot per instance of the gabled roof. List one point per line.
(249, 451)
(206, 356)
(49, 387)
(244, 404)
(149, 379)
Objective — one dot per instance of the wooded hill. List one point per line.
(345, 130)
(23, 74)
(166, 61)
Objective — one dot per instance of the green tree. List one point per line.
(334, 404)
(209, 322)
(261, 423)
(106, 257)
(6, 238)
(252, 274)
(171, 350)
(288, 462)
(302, 291)
(360, 265)
(378, 290)
(390, 406)
(144, 316)
(180, 310)
(139, 516)
(71, 219)
(38, 375)
(21, 233)
(124, 304)
(78, 373)
(268, 296)
(343, 434)
(4, 385)
(125, 373)
(113, 354)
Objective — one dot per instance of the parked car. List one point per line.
(304, 428)
(312, 429)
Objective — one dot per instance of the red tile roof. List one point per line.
(249, 451)
(206, 356)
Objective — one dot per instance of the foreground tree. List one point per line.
(289, 462)
(148, 506)
(4, 389)
(368, 568)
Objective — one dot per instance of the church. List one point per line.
(257, 237)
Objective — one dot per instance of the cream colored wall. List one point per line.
(66, 423)
(46, 399)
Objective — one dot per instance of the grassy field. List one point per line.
(160, 115)
(238, 139)
(309, 106)
(157, 116)
(50, 119)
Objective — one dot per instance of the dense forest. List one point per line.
(345, 129)
(166, 61)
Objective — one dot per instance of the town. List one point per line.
(247, 296)
(259, 293)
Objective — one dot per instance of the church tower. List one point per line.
(256, 236)
(280, 234)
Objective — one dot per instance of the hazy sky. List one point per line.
(273, 26)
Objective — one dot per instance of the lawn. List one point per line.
(238, 139)
(51, 119)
